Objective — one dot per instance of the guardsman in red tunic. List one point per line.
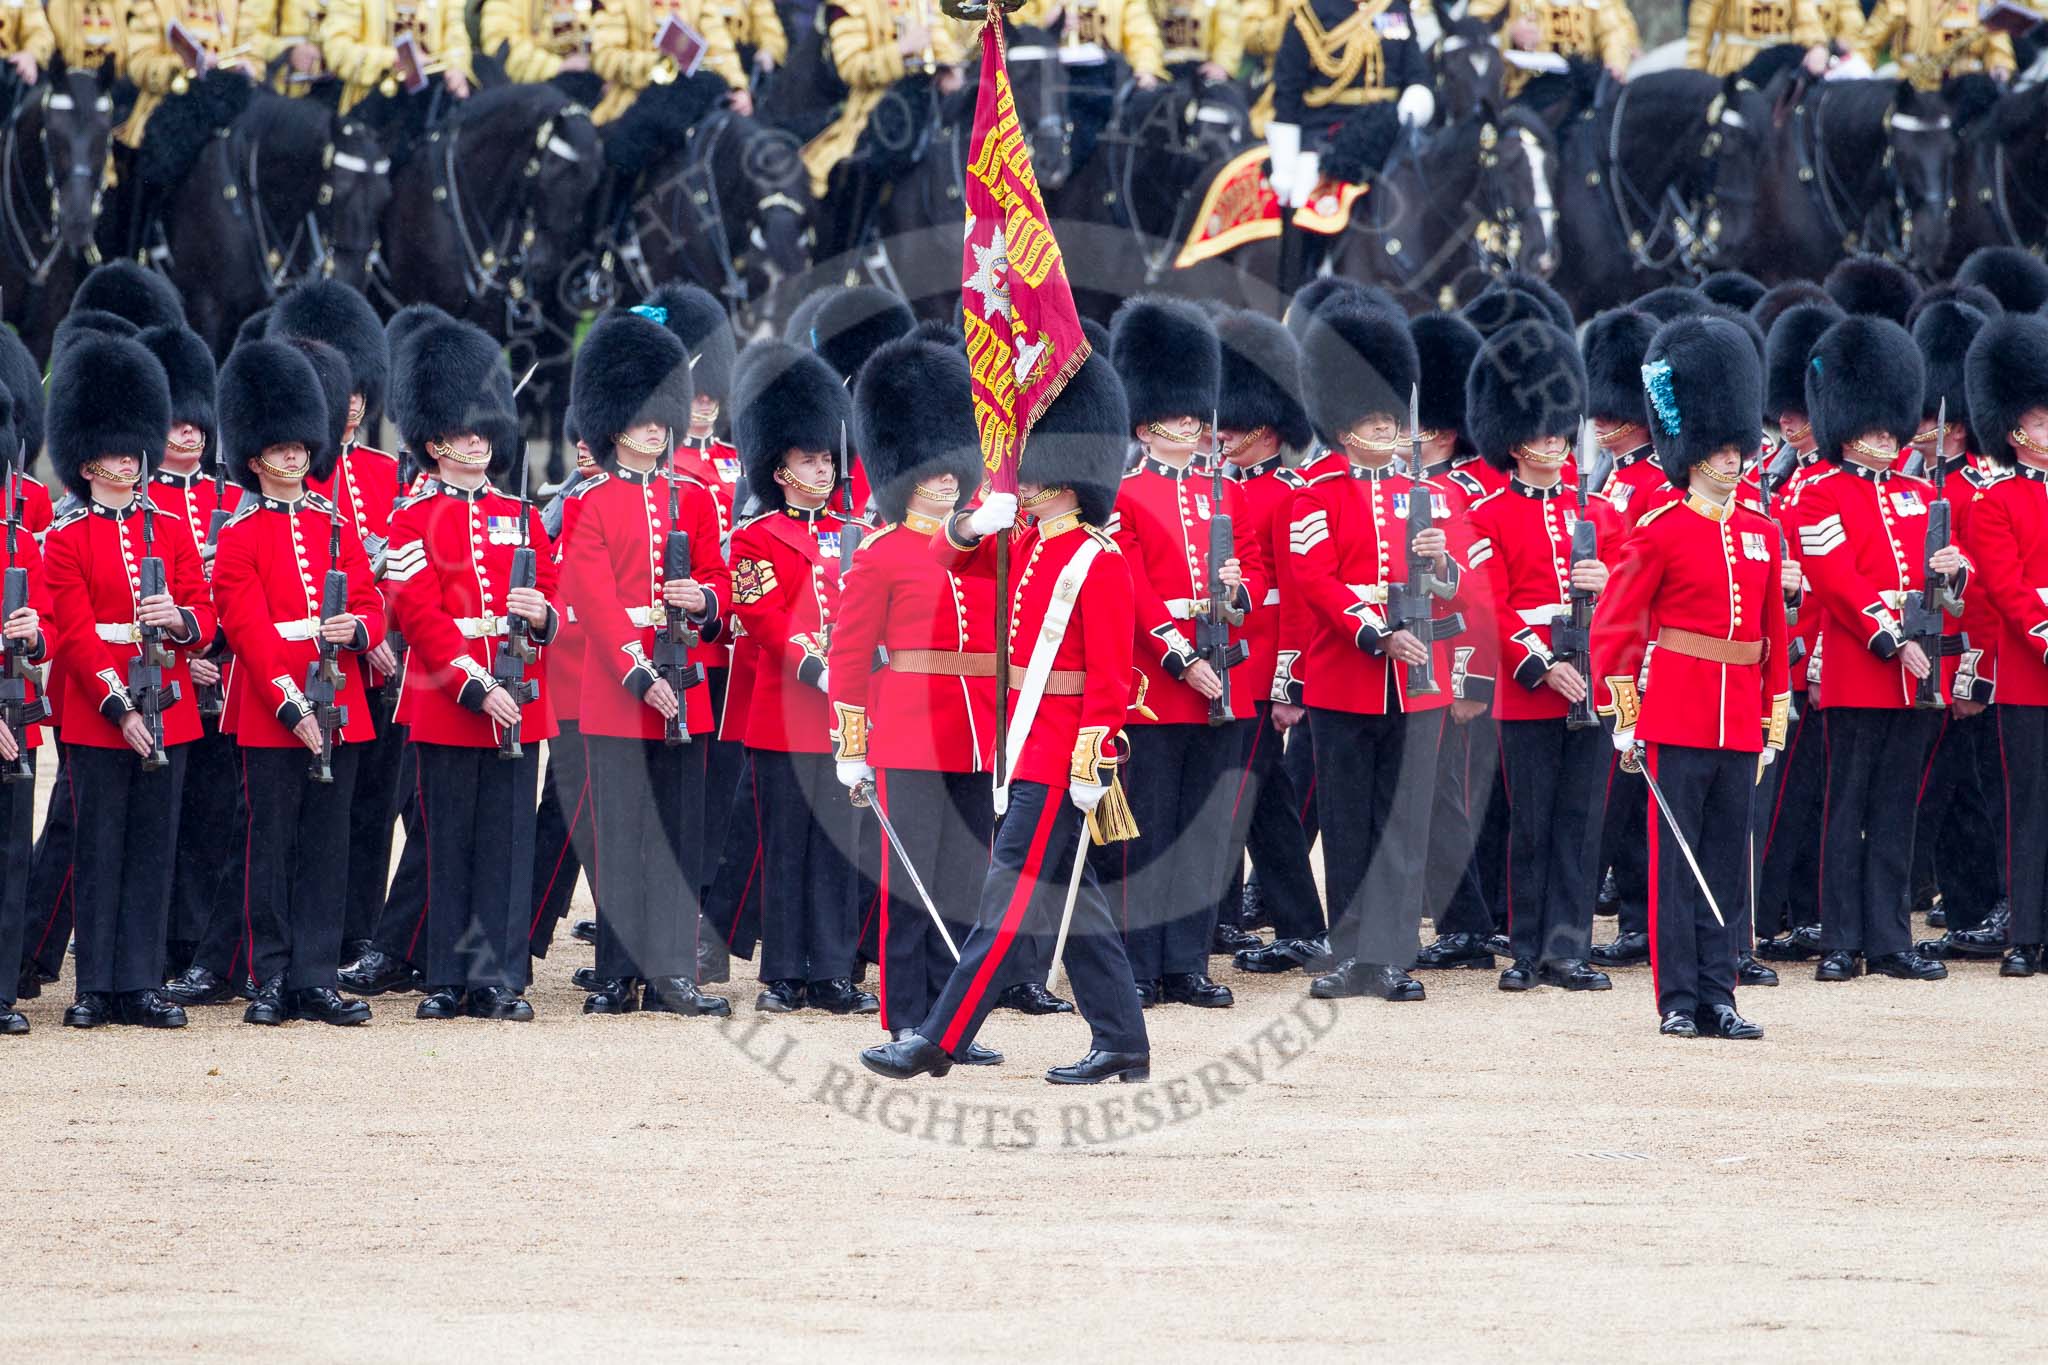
(1862, 533)
(109, 410)
(2007, 382)
(270, 574)
(1185, 738)
(1072, 622)
(1526, 395)
(1787, 890)
(364, 487)
(1262, 429)
(17, 798)
(631, 394)
(1689, 652)
(1375, 735)
(448, 581)
(1959, 848)
(791, 413)
(918, 736)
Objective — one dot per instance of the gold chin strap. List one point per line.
(1386, 447)
(1795, 433)
(442, 450)
(1878, 453)
(356, 408)
(1542, 459)
(930, 494)
(809, 490)
(2020, 439)
(1723, 480)
(1606, 434)
(276, 472)
(95, 470)
(1042, 496)
(1179, 436)
(1921, 438)
(1256, 433)
(192, 448)
(652, 449)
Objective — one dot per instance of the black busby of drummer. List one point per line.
(127, 709)
(1061, 788)
(792, 416)
(638, 714)
(468, 579)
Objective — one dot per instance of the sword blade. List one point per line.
(903, 856)
(1059, 944)
(1671, 823)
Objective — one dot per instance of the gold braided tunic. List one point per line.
(90, 33)
(863, 39)
(1193, 31)
(359, 37)
(267, 29)
(1723, 36)
(1933, 40)
(154, 65)
(537, 35)
(623, 53)
(1601, 30)
(1124, 26)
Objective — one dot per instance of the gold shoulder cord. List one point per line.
(1339, 53)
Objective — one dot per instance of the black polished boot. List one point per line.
(679, 995)
(1030, 997)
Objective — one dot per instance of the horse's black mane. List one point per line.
(296, 123)
(1664, 106)
(535, 101)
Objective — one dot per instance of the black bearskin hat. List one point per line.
(1261, 381)
(1612, 349)
(333, 312)
(943, 333)
(1743, 323)
(188, 365)
(1703, 386)
(783, 397)
(2015, 277)
(1445, 345)
(2006, 372)
(1865, 375)
(1872, 285)
(851, 324)
(255, 327)
(700, 323)
(914, 419)
(1766, 311)
(1670, 301)
(23, 380)
(1167, 354)
(1497, 308)
(1735, 289)
(127, 290)
(1356, 361)
(1540, 289)
(83, 322)
(1330, 290)
(449, 379)
(108, 396)
(1944, 333)
(1527, 382)
(1948, 291)
(337, 383)
(1079, 442)
(630, 369)
(270, 395)
(1786, 351)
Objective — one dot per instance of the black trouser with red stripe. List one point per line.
(206, 835)
(1554, 777)
(562, 836)
(402, 924)
(1692, 955)
(1959, 842)
(946, 822)
(1624, 846)
(1164, 883)
(646, 807)
(17, 827)
(1376, 778)
(1788, 881)
(1464, 760)
(1300, 765)
(1018, 920)
(373, 817)
(477, 809)
(809, 928)
(1877, 759)
(2023, 747)
(127, 841)
(52, 880)
(725, 766)
(296, 870)
(1266, 822)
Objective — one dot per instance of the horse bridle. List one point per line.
(1158, 261)
(1692, 227)
(1818, 170)
(2001, 203)
(1494, 232)
(277, 263)
(497, 265)
(38, 246)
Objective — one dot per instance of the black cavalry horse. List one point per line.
(53, 157)
(1854, 166)
(2002, 178)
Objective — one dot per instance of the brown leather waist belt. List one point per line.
(950, 663)
(1711, 648)
(1061, 682)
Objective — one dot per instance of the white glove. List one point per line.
(1770, 756)
(1624, 740)
(1308, 171)
(1417, 106)
(1849, 68)
(1283, 147)
(997, 512)
(1086, 796)
(853, 772)
(823, 682)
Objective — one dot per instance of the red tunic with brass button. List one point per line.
(446, 573)
(716, 466)
(785, 590)
(612, 576)
(1348, 538)
(1265, 493)
(2008, 542)
(1976, 673)
(1161, 524)
(92, 558)
(939, 716)
(1071, 731)
(268, 574)
(191, 498)
(565, 652)
(27, 556)
(1637, 486)
(1521, 540)
(36, 509)
(1712, 572)
(363, 488)
(1861, 537)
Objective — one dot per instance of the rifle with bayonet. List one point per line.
(147, 689)
(672, 663)
(15, 708)
(323, 675)
(1413, 603)
(1571, 639)
(1920, 613)
(1217, 614)
(212, 698)
(393, 640)
(510, 664)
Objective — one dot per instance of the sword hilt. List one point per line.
(861, 794)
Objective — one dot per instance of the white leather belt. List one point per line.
(647, 616)
(1272, 597)
(118, 632)
(306, 628)
(1545, 615)
(480, 627)
(1185, 608)
(1368, 592)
